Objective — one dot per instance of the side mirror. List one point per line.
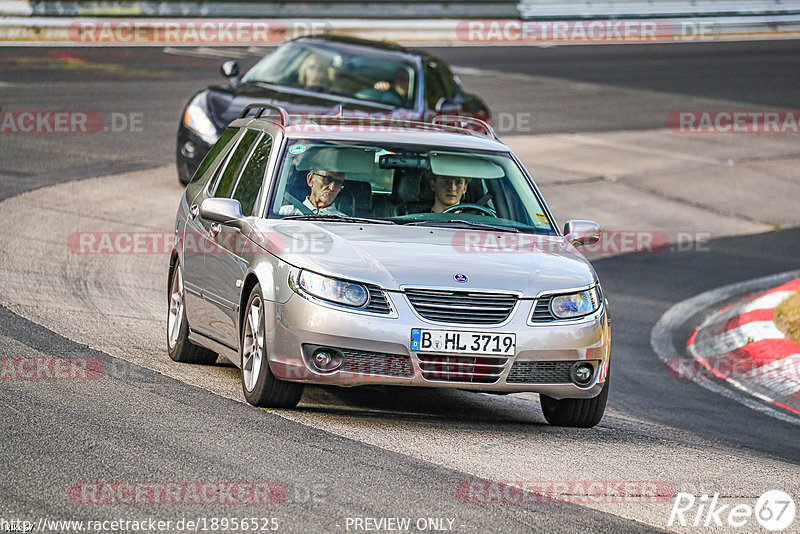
(225, 211)
(230, 69)
(580, 232)
(445, 105)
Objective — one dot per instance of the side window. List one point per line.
(246, 190)
(221, 143)
(434, 88)
(235, 161)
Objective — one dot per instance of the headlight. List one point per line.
(197, 119)
(576, 304)
(330, 289)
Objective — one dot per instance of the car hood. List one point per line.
(226, 103)
(395, 256)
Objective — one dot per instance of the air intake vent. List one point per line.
(376, 363)
(377, 301)
(541, 312)
(526, 372)
(470, 369)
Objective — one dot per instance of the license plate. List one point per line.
(460, 342)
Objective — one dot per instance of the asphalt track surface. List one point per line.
(136, 424)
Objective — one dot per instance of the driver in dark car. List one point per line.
(448, 191)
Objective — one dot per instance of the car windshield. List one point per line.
(406, 184)
(353, 72)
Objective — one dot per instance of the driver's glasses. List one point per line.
(329, 180)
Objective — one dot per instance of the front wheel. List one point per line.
(260, 386)
(583, 413)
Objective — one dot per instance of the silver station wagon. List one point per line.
(349, 251)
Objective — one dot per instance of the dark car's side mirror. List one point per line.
(446, 105)
(230, 69)
(580, 232)
(227, 211)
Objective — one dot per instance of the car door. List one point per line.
(193, 232)
(226, 266)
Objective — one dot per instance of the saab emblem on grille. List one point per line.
(460, 278)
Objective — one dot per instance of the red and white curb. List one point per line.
(741, 345)
(671, 348)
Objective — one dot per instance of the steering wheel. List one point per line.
(474, 207)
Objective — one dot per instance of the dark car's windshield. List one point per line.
(406, 184)
(354, 72)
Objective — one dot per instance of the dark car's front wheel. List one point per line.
(179, 347)
(583, 413)
(260, 386)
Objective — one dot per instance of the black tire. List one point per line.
(583, 413)
(183, 350)
(268, 391)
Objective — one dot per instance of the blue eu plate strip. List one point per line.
(415, 338)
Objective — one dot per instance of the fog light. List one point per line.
(581, 373)
(326, 360)
(189, 149)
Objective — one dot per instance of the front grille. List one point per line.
(474, 369)
(540, 373)
(377, 301)
(541, 312)
(461, 307)
(376, 363)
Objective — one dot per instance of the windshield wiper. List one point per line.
(337, 218)
(458, 222)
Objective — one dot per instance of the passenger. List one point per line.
(325, 187)
(448, 191)
(315, 72)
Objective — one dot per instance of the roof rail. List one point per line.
(435, 125)
(262, 107)
(441, 123)
(461, 120)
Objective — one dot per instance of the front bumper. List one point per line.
(384, 341)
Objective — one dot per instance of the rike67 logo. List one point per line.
(774, 510)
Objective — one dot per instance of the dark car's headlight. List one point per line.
(575, 304)
(337, 291)
(196, 118)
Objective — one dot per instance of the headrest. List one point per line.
(362, 194)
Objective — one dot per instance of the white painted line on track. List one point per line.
(663, 345)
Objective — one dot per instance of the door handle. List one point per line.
(215, 229)
(193, 211)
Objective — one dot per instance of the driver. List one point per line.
(448, 191)
(315, 72)
(325, 187)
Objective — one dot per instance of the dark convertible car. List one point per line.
(326, 75)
